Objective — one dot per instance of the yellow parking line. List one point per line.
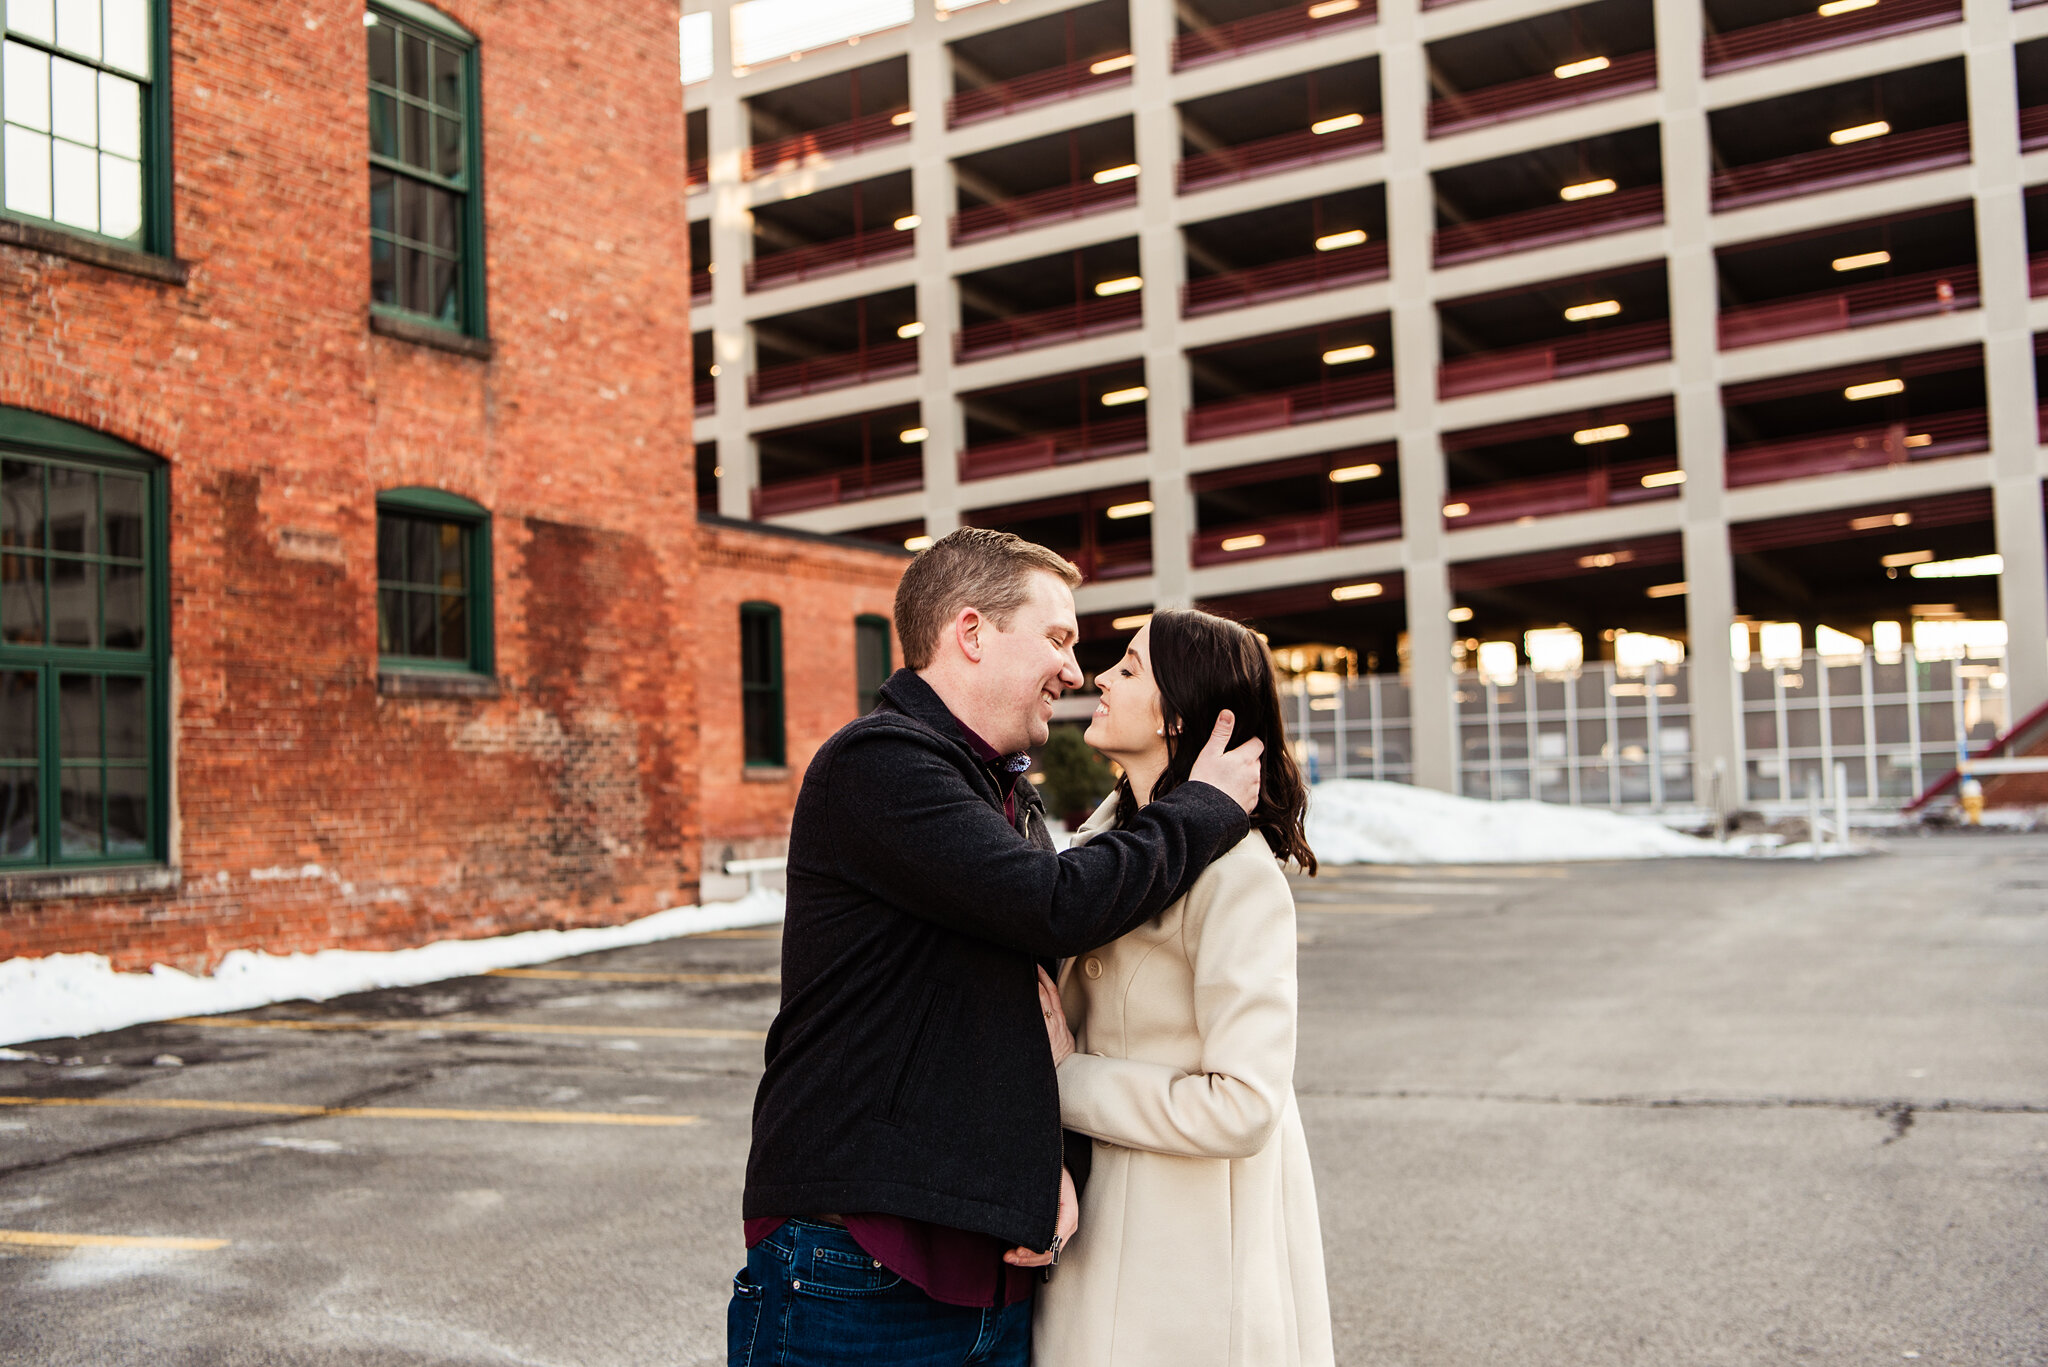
(37, 1238)
(575, 975)
(371, 1112)
(472, 1028)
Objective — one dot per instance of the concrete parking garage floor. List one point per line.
(1698, 1112)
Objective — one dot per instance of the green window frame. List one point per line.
(433, 583)
(85, 119)
(761, 703)
(426, 158)
(870, 658)
(84, 626)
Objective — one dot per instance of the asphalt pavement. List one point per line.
(1685, 1112)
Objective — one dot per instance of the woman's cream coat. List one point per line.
(1199, 1244)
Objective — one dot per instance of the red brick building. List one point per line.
(352, 590)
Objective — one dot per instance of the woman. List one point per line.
(1199, 1244)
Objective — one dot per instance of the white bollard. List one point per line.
(1841, 804)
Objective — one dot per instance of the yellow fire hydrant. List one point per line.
(1970, 796)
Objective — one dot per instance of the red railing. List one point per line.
(2037, 274)
(1895, 154)
(821, 373)
(1025, 211)
(1091, 441)
(700, 285)
(1552, 223)
(1115, 559)
(1548, 495)
(1859, 448)
(697, 172)
(1023, 92)
(1804, 33)
(1264, 30)
(1281, 152)
(822, 491)
(1284, 279)
(829, 258)
(706, 396)
(1607, 349)
(1069, 322)
(855, 135)
(1513, 99)
(2034, 128)
(1300, 532)
(1880, 301)
(1292, 407)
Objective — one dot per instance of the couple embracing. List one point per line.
(1025, 1105)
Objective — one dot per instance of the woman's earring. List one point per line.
(1160, 732)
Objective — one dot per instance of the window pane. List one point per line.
(74, 511)
(383, 54)
(447, 147)
(36, 18)
(127, 35)
(412, 209)
(78, 716)
(120, 116)
(127, 811)
(21, 600)
(383, 271)
(383, 194)
(452, 573)
(120, 196)
(390, 549)
(390, 620)
(412, 280)
(74, 603)
(419, 551)
(127, 718)
(25, 85)
(759, 723)
(27, 156)
(18, 714)
(383, 125)
(413, 122)
(78, 27)
(445, 302)
(127, 626)
(454, 627)
(419, 613)
(79, 802)
(18, 814)
(75, 176)
(123, 497)
(21, 503)
(447, 77)
(74, 101)
(444, 218)
(412, 68)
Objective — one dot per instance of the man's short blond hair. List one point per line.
(974, 567)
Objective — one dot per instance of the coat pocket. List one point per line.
(916, 1061)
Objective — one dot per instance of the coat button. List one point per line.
(1092, 966)
(796, 1285)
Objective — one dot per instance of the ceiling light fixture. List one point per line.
(1123, 284)
(1584, 68)
(1905, 558)
(904, 119)
(1459, 614)
(1587, 190)
(1109, 64)
(1663, 479)
(1457, 509)
(1344, 355)
(1665, 590)
(1835, 7)
(1243, 543)
(1602, 308)
(1347, 593)
(1605, 560)
(1330, 8)
(1876, 389)
(1968, 567)
(1117, 512)
(910, 330)
(911, 436)
(1330, 242)
(1871, 524)
(1350, 474)
(916, 543)
(1859, 261)
(1132, 622)
(1117, 398)
(1593, 436)
(1862, 132)
(1116, 173)
(906, 223)
(1337, 124)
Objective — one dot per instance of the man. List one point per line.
(906, 1179)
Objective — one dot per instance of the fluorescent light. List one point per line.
(1605, 560)
(1343, 355)
(1858, 262)
(1457, 509)
(1331, 7)
(1132, 622)
(904, 119)
(910, 330)
(1346, 593)
(911, 436)
(1593, 436)
(1601, 308)
(1876, 389)
(1862, 132)
(1738, 645)
(1905, 558)
(906, 223)
(1116, 398)
(1871, 524)
(1919, 439)
(1337, 124)
(1955, 640)
(916, 543)
(1779, 644)
(1116, 173)
(1243, 543)
(1117, 512)
(1497, 663)
(1835, 7)
(1554, 650)
(1123, 284)
(1350, 474)
(1459, 614)
(1886, 639)
(1587, 190)
(1677, 590)
(1109, 64)
(1969, 567)
(1636, 651)
(1331, 242)
(1663, 479)
(1585, 68)
(1830, 644)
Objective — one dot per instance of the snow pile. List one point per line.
(1362, 821)
(65, 995)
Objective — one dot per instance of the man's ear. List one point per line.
(967, 633)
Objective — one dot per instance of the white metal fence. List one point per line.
(1599, 739)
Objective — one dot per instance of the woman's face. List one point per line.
(1128, 719)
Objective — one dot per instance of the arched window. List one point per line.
(433, 582)
(83, 620)
(761, 684)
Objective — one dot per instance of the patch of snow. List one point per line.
(68, 995)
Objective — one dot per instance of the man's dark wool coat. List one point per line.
(908, 1071)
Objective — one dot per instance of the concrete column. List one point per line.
(1695, 353)
(1411, 229)
(2008, 350)
(731, 248)
(1162, 263)
(931, 189)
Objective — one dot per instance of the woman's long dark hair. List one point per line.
(1203, 665)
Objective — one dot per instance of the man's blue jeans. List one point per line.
(810, 1296)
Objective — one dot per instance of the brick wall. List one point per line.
(311, 808)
